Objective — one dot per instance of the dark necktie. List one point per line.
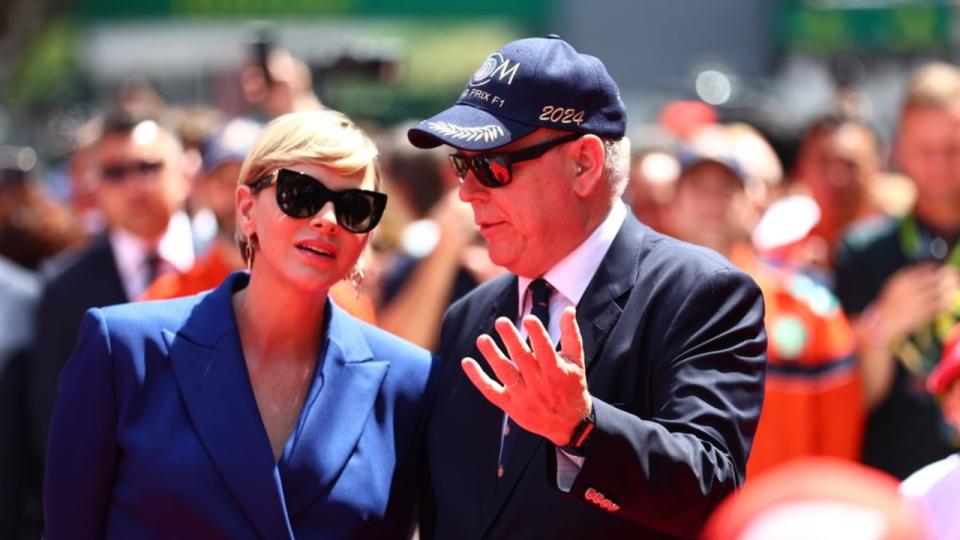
(540, 292)
(153, 263)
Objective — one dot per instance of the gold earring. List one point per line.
(356, 278)
(249, 252)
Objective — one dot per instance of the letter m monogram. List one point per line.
(505, 70)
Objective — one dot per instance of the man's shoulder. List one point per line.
(482, 294)
(873, 237)
(76, 267)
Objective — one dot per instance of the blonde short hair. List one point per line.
(321, 137)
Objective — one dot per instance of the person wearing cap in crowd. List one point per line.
(899, 281)
(216, 190)
(813, 403)
(936, 487)
(640, 420)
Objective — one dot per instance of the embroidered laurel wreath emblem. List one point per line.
(487, 133)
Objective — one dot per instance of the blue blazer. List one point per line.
(156, 432)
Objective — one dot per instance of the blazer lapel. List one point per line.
(208, 363)
(340, 403)
(599, 308)
(597, 313)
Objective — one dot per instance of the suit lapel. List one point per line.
(599, 308)
(338, 407)
(483, 418)
(207, 360)
(597, 313)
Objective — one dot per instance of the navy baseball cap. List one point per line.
(528, 84)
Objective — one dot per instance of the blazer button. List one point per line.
(499, 471)
(506, 429)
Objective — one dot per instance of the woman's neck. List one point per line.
(279, 321)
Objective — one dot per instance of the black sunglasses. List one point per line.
(115, 173)
(301, 196)
(493, 170)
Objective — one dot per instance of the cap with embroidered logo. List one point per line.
(528, 84)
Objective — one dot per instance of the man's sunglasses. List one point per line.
(494, 170)
(114, 173)
(301, 196)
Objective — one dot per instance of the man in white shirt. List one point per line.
(141, 186)
(642, 421)
(936, 487)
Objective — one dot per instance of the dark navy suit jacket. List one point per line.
(676, 353)
(156, 433)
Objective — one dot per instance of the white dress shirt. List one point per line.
(570, 278)
(130, 253)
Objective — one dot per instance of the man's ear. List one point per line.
(588, 165)
(245, 220)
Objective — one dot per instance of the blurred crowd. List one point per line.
(854, 241)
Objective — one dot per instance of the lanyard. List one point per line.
(911, 350)
(911, 243)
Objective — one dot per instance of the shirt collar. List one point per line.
(573, 273)
(130, 251)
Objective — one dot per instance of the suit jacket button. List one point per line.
(500, 471)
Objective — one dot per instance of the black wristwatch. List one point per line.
(581, 435)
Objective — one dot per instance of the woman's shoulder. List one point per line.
(151, 315)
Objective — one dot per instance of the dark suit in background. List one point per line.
(675, 350)
(74, 284)
(19, 467)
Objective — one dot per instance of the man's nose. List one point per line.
(470, 189)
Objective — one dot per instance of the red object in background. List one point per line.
(685, 118)
(822, 498)
(948, 370)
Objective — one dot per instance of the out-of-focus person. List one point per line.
(286, 88)
(32, 228)
(821, 498)
(258, 409)
(936, 487)
(653, 175)
(215, 190)
(812, 400)
(898, 280)
(141, 187)
(838, 163)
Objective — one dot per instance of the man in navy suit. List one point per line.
(610, 386)
(141, 186)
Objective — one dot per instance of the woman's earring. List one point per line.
(356, 278)
(249, 251)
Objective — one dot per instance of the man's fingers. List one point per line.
(543, 350)
(490, 389)
(516, 348)
(571, 343)
(504, 369)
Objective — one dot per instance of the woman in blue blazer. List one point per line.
(258, 409)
